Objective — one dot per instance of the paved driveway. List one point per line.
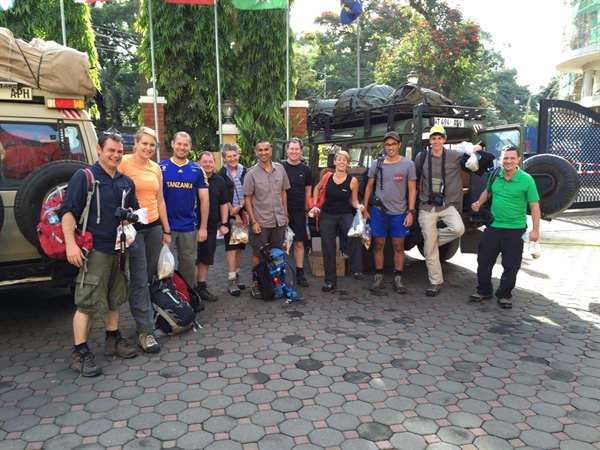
(348, 370)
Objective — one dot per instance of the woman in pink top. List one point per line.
(143, 256)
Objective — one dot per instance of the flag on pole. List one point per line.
(260, 4)
(6, 4)
(192, 2)
(351, 9)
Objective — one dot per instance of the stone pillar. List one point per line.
(147, 102)
(298, 110)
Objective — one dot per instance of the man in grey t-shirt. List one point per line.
(389, 179)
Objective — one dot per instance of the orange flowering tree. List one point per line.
(439, 45)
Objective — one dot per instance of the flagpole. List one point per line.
(287, 72)
(154, 93)
(358, 52)
(218, 79)
(62, 22)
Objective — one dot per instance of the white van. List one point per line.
(44, 139)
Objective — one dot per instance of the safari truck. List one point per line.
(45, 137)
(360, 132)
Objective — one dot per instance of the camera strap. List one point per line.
(430, 170)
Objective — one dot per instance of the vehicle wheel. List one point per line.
(557, 182)
(1, 212)
(447, 251)
(34, 192)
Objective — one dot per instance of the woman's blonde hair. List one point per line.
(144, 130)
(342, 153)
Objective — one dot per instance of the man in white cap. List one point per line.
(440, 201)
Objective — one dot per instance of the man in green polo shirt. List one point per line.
(511, 192)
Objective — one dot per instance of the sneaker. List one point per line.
(240, 284)
(255, 290)
(479, 297)
(117, 346)
(83, 363)
(234, 288)
(206, 295)
(433, 290)
(301, 280)
(358, 276)
(378, 282)
(147, 342)
(398, 287)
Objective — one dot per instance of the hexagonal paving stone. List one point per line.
(247, 433)
(326, 437)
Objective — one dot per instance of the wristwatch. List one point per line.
(412, 211)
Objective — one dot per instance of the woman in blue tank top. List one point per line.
(338, 209)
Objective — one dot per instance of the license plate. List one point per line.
(16, 93)
(449, 122)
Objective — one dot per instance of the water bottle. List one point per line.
(51, 216)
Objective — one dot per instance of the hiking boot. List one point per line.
(398, 287)
(240, 284)
(255, 290)
(301, 279)
(358, 276)
(117, 346)
(378, 282)
(233, 287)
(433, 290)
(147, 342)
(479, 297)
(83, 363)
(206, 295)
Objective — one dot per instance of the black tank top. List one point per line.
(337, 197)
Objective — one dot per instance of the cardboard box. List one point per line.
(316, 264)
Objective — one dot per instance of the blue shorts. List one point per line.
(395, 224)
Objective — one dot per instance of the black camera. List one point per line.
(436, 199)
(124, 215)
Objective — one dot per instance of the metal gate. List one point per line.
(572, 131)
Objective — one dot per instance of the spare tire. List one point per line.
(34, 192)
(557, 182)
(1, 212)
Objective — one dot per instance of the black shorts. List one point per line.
(227, 237)
(298, 225)
(206, 249)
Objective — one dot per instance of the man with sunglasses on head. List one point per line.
(102, 284)
(392, 192)
(511, 191)
(298, 196)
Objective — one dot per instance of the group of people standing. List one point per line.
(188, 202)
(398, 187)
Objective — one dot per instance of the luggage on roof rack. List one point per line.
(353, 102)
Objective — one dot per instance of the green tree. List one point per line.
(252, 52)
(29, 19)
(117, 43)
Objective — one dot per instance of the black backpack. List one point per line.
(262, 272)
(171, 314)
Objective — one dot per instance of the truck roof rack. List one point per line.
(390, 114)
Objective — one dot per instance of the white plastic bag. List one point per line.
(130, 234)
(473, 162)
(166, 263)
(358, 225)
(288, 239)
(239, 235)
(366, 239)
(534, 249)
